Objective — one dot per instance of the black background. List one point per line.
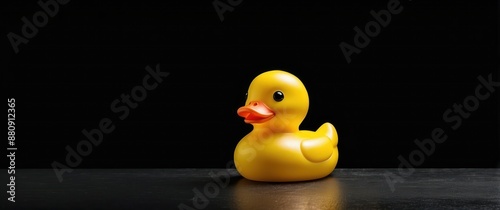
(395, 91)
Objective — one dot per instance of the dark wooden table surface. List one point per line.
(225, 189)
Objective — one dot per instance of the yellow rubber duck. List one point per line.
(276, 150)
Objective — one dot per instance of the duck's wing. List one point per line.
(317, 149)
(320, 148)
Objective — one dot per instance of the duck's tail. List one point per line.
(329, 130)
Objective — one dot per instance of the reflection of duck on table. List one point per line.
(326, 193)
(276, 150)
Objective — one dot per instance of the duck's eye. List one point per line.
(278, 96)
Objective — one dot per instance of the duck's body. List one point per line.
(276, 150)
(298, 156)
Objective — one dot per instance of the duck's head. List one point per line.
(276, 100)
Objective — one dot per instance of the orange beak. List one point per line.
(255, 112)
